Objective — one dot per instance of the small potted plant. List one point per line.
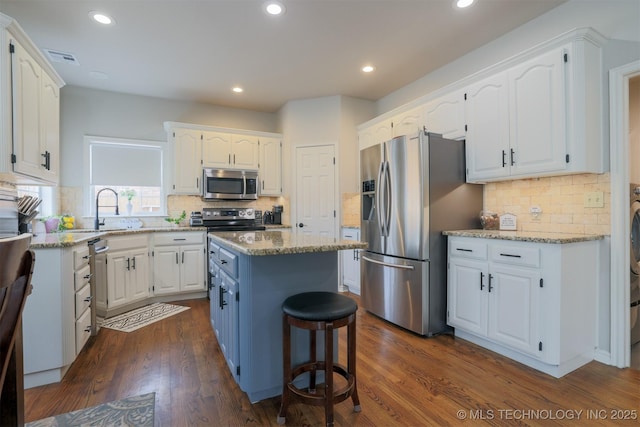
(176, 220)
(129, 193)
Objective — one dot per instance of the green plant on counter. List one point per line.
(176, 220)
(128, 193)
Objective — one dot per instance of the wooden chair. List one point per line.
(16, 268)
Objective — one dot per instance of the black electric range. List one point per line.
(228, 219)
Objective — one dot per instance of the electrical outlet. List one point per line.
(594, 199)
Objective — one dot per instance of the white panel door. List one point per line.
(188, 161)
(467, 296)
(50, 128)
(244, 152)
(138, 274)
(408, 123)
(315, 203)
(192, 268)
(166, 270)
(270, 172)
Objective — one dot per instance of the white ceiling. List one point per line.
(197, 50)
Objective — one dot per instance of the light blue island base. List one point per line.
(251, 274)
(265, 282)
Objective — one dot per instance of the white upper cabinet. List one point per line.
(229, 150)
(445, 115)
(408, 123)
(487, 116)
(270, 172)
(540, 117)
(216, 149)
(30, 109)
(244, 152)
(188, 157)
(375, 134)
(198, 146)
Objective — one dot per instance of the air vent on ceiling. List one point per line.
(61, 57)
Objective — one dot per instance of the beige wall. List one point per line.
(561, 200)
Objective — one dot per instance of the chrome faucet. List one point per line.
(96, 222)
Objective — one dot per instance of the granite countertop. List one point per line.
(82, 236)
(281, 242)
(274, 226)
(526, 236)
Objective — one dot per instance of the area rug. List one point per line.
(136, 319)
(138, 411)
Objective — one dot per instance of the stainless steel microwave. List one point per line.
(229, 184)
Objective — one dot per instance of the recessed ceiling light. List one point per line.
(368, 69)
(237, 89)
(101, 18)
(274, 8)
(464, 3)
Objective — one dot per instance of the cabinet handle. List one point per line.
(48, 160)
(44, 165)
(263, 184)
(512, 161)
(134, 263)
(464, 250)
(86, 257)
(223, 261)
(229, 158)
(504, 158)
(481, 280)
(128, 263)
(197, 182)
(88, 299)
(511, 255)
(175, 240)
(234, 159)
(490, 278)
(183, 257)
(87, 329)
(177, 262)
(88, 276)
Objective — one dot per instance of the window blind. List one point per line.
(125, 165)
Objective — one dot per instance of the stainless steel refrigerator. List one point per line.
(413, 188)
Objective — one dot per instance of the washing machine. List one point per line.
(635, 263)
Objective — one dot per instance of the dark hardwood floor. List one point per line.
(403, 380)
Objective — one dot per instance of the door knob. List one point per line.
(301, 225)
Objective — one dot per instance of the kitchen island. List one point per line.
(251, 274)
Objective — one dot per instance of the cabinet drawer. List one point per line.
(83, 330)
(186, 238)
(80, 257)
(81, 277)
(468, 248)
(214, 250)
(515, 255)
(128, 242)
(229, 262)
(83, 300)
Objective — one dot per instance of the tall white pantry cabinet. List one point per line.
(29, 110)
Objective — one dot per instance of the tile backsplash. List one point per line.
(351, 209)
(70, 202)
(561, 199)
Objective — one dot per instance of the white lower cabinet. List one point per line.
(127, 270)
(178, 262)
(351, 262)
(533, 302)
(56, 315)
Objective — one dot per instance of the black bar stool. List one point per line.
(319, 311)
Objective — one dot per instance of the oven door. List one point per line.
(224, 184)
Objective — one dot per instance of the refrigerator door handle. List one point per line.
(387, 222)
(404, 267)
(381, 224)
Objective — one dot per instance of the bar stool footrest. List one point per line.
(315, 398)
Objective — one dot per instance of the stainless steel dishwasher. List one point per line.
(97, 246)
